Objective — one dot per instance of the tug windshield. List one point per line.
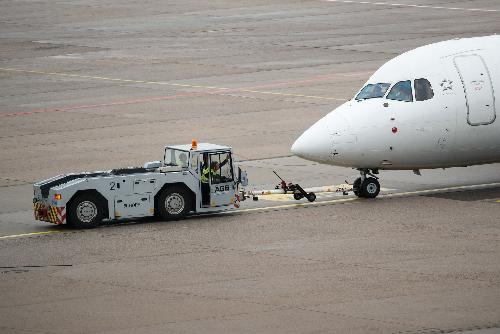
(372, 91)
(175, 157)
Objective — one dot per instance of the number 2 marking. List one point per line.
(112, 185)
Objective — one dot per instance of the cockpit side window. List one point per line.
(423, 90)
(372, 91)
(401, 92)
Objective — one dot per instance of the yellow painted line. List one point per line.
(290, 94)
(298, 205)
(433, 7)
(281, 197)
(222, 89)
(352, 199)
(295, 205)
(305, 204)
(28, 234)
(105, 78)
(289, 197)
(448, 189)
(276, 197)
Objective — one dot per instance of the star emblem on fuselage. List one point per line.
(446, 84)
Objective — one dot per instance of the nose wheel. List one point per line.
(366, 187)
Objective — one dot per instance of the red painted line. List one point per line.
(168, 97)
(116, 103)
(288, 83)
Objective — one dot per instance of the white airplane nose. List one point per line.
(314, 144)
(300, 146)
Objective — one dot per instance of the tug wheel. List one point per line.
(297, 196)
(85, 211)
(174, 203)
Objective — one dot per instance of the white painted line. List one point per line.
(416, 6)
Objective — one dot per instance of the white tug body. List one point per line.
(169, 189)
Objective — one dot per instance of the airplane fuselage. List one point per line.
(435, 108)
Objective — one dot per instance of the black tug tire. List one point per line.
(297, 196)
(370, 188)
(356, 187)
(85, 211)
(311, 197)
(173, 203)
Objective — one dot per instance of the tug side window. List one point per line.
(423, 90)
(194, 162)
(221, 168)
(401, 92)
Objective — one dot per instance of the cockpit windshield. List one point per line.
(175, 157)
(372, 91)
(401, 92)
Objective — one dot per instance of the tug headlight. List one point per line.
(57, 197)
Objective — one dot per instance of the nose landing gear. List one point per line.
(366, 187)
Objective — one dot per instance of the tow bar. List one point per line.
(296, 189)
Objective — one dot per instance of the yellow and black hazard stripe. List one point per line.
(40, 211)
(50, 214)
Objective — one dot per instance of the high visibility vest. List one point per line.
(204, 174)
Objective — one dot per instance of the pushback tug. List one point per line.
(169, 189)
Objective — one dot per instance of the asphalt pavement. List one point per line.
(95, 85)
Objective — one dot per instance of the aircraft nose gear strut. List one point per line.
(366, 187)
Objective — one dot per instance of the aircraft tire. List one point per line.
(356, 187)
(370, 188)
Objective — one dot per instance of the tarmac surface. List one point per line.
(95, 85)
